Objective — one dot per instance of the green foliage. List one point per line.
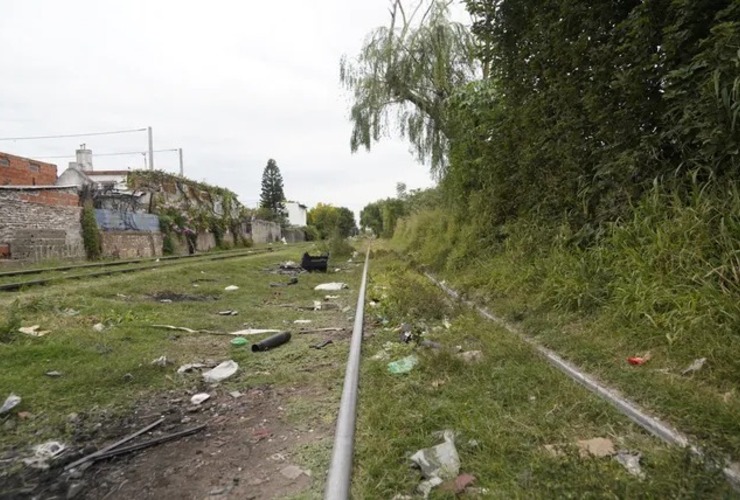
(328, 220)
(272, 198)
(168, 245)
(90, 232)
(9, 327)
(405, 75)
(382, 216)
(336, 246)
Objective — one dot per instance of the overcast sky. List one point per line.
(233, 83)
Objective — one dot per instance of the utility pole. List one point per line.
(182, 171)
(151, 148)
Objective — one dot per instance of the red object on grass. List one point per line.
(636, 360)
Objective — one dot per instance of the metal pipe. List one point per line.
(270, 342)
(151, 148)
(340, 471)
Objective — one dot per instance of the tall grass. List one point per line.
(670, 272)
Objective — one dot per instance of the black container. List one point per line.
(270, 342)
(317, 263)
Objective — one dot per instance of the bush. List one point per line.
(90, 232)
(168, 246)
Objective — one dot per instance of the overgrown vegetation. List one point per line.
(90, 232)
(591, 192)
(327, 221)
(186, 207)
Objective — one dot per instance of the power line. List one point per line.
(106, 154)
(71, 135)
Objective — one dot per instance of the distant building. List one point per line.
(19, 171)
(81, 173)
(297, 214)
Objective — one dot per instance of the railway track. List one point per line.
(111, 268)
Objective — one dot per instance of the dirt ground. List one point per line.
(245, 452)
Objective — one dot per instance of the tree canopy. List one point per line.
(329, 221)
(272, 197)
(404, 76)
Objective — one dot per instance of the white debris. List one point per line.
(221, 372)
(190, 367)
(33, 331)
(697, 365)
(98, 327)
(161, 361)
(231, 288)
(631, 462)
(200, 398)
(254, 331)
(294, 472)
(331, 287)
(438, 463)
(43, 453)
(302, 321)
(10, 402)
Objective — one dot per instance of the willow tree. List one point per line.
(404, 76)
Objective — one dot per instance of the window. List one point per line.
(33, 167)
(4, 162)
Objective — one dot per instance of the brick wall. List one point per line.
(19, 171)
(35, 231)
(131, 244)
(53, 197)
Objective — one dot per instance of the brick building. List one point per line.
(19, 171)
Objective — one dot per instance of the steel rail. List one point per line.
(69, 267)
(340, 470)
(631, 410)
(13, 287)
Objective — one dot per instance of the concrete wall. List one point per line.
(297, 214)
(265, 232)
(19, 171)
(294, 235)
(131, 244)
(36, 231)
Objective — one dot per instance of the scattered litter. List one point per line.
(10, 402)
(596, 447)
(221, 372)
(188, 330)
(639, 360)
(231, 288)
(459, 485)
(53, 373)
(270, 342)
(292, 281)
(255, 331)
(697, 365)
(98, 327)
(323, 330)
(33, 331)
(70, 312)
(122, 296)
(235, 394)
(331, 297)
(229, 312)
(403, 365)
(322, 344)
(161, 361)
(190, 367)
(293, 472)
(302, 321)
(200, 398)
(438, 463)
(631, 462)
(470, 356)
(331, 287)
(446, 323)
(114, 450)
(168, 297)
(289, 266)
(239, 341)
(316, 305)
(314, 263)
(43, 453)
